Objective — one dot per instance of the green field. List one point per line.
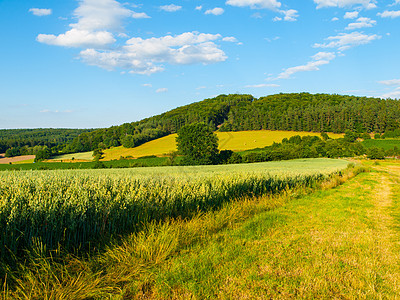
(79, 207)
(237, 230)
(235, 141)
(386, 144)
(83, 156)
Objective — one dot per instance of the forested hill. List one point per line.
(298, 112)
(210, 111)
(318, 112)
(28, 138)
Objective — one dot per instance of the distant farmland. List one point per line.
(236, 141)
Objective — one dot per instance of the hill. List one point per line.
(288, 112)
(235, 141)
(23, 139)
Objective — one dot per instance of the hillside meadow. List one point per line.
(235, 141)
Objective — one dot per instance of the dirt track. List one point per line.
(4, 160)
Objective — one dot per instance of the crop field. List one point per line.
(77, 207)
(84, 156)
(386, 144)
(235, 141)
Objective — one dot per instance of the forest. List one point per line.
(295, 111)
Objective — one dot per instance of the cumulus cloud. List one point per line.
(162, 90)
(319, 59)
(351, 15)
(334, 19)
(78, 38)
(200, 7)
(141, 15)
(346, 41)
(146, 56)
(390, 14)
(255, 4)
(290, 15)
(368, 4)
(171, 8)
(40, 12)
(361, 23)
(215, 11)
(96, 18)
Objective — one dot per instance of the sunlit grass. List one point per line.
(83, 156)
(175, 259)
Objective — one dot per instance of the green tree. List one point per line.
(198, 144)
(376, 153)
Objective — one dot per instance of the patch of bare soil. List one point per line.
(7, 160)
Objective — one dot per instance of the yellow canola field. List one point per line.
(236, 141)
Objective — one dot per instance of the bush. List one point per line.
(376, 153)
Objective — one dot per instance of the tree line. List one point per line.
(16, 142)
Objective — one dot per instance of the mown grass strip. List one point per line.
(331, 244)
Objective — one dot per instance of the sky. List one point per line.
(99, 63)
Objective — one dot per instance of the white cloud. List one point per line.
(99, 20)
(324, 56)
(334, 19)
(262, 85)
(255, 4)
(78, 38)
(276, 19)
(96, 15)
(171, 8)
(361, 23)
(200, 7)
(351, 15)
(162, 90)
(96, 18)
(49, 111)
(390, 14)
(390, 82)
(230, 39)
(290, 15)
(40, 12)
(141, 15)
(147, 85)
(215, 11)
(369, 4)
(319, 59)
(393, 94)
(146, 56)
(346, 41)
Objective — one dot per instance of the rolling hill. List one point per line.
(226, 113)
(235, 141)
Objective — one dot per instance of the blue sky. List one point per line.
(97, 63)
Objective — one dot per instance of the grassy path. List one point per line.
(338, 244)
